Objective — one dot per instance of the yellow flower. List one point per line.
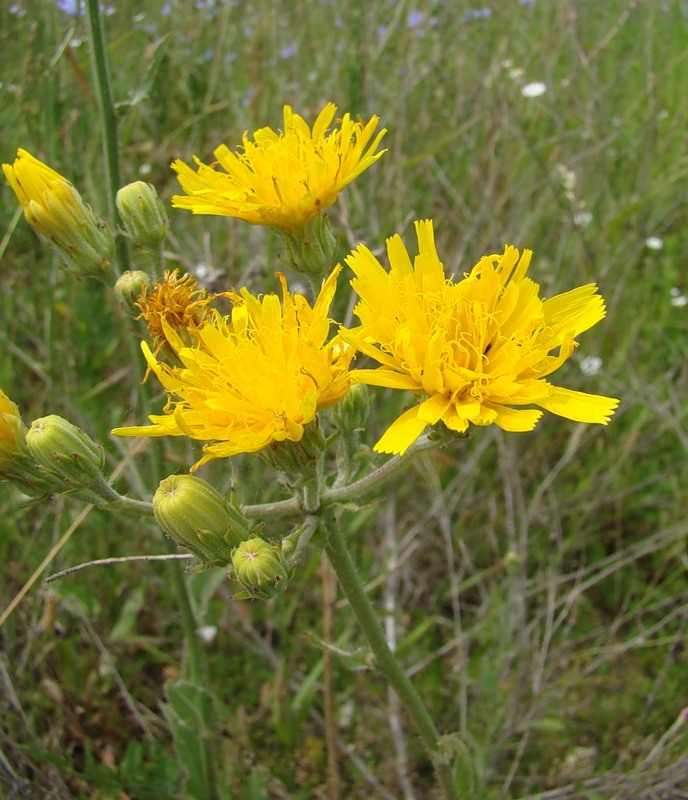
(282, 179)
(56, 211)
(255, 377)
(478, 350)
(12, 432)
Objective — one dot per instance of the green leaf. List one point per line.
(142, 91)
(122, 629)
(191, 714)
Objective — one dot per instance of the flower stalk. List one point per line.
(108, 120)
(387, 663)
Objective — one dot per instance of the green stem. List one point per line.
(279, 508)
(342, 494)
(194, 665)
(157, 263)
(377, 477)
(108, 119)
(350, 582)
(294, 505)
(141, 507)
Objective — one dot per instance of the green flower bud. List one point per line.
(259, 567)
(297, 459)
(311, 249)
(128, 287)
(16, 462)
(349, 417)
(351, 412)
(199, 518)
(142, 214)
(66, 453)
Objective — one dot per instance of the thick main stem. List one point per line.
(387, 663)
(108, 118)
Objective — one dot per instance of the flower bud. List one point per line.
(65, 452)
(16, 462)
(351, 412)
(128, 287)
(312, 248)
(142, 214)
(259, 567)
(199, 518)
(58, 214)
(12, 432)
(299, 459)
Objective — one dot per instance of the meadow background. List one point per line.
(535, 584)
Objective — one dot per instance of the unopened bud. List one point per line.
(351, 412)
(142, 214)
(312, 248)
(16, 462)
(259, 567)
(299, 459)
(65, 452)
(12, 432)
(128, 287)
(199, 518)
(58, 214)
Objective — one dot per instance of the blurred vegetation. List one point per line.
(536, 583)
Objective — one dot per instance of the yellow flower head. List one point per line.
(255, 377)
(478, 350)
(12, 432)
(282, 179)
(56, 211)
(174, 303)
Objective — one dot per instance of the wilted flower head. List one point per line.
(282, 179)
(174, 303)
(58, 214)
(479, 350)
(255, 377)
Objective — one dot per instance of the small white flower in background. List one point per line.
(654, 243)
(582, 219)
(590, 365)
(535, 89)
(206, 633)
(205, 273)
(677, 299)
(145, 169)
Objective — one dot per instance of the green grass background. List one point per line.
(535, 583)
